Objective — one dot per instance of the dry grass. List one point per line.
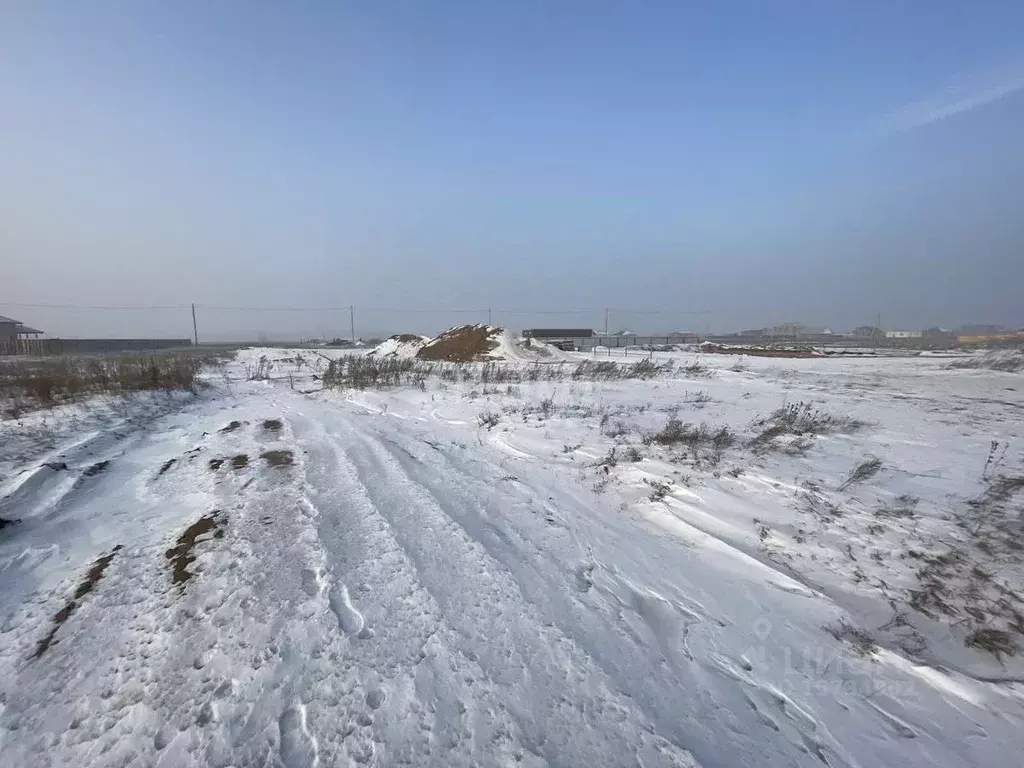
(793, 427)
(366, 372)
(975, 580)
(46, 382)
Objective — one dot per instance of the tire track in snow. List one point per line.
(400, 676)
(564, 703)
(672, 692)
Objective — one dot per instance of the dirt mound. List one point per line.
(722, 349)
(462, 344)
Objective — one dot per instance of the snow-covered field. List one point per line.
(563, 572)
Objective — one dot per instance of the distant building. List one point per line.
(798, 329)
(973, 329)
(903, 334)
(11, 330)
(868, 332)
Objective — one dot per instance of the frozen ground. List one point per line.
(523, 573)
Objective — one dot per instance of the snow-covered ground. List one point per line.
(519, 573)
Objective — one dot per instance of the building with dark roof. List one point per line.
(11, 329)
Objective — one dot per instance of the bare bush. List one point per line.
(632, 454)
(489, 419)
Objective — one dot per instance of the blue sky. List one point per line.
(772, 160)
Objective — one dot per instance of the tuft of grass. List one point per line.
(998, 642)
(660, 490)
(863, 471)
(801, 422)
(704, 441)
(861, 641)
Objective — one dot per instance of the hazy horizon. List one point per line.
(775, 162)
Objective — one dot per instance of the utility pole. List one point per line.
(352, 321)
(195, 330)
(606, 322)
(488, 315)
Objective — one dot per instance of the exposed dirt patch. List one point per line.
(216, 464)
(272, 425)
(232, 426)
(719, 349)
(279, 458)
(95, 469)
(180, 557)
(167, 465)
(406, 338)
(240, 461)
(84, 588)
(463, 344)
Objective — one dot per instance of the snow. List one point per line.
(517, 349)
(401, 347)
(418, 589)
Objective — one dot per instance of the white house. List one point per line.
(903, 334)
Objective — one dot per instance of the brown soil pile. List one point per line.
(278, 458)
(406, 338)
(84, 588)
(464, 344)
(180, 557)
(718, 349)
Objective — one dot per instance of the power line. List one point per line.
(349, 308)
(93, 306)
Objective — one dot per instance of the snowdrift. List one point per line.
(404, 345)
(1009, 360)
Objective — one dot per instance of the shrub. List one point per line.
(489, 419)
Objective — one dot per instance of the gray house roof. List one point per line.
(19, 327)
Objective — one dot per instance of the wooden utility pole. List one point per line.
(488, 315)
(352, 322)
(606, 322)
(195, 330)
